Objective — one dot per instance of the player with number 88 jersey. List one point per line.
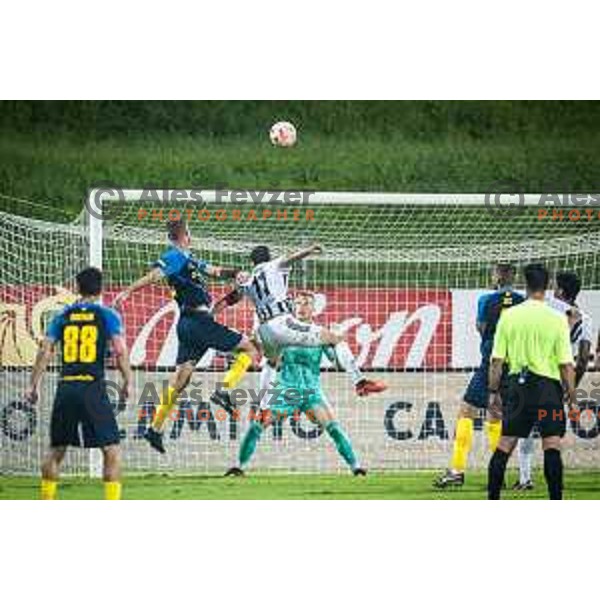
(82, 414)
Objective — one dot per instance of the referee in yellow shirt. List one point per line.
(533, 340)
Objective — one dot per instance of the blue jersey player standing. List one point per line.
(82, 414)
(476, 397)
(197, 330)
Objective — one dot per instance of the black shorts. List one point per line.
(82, 415)
(198, 331)
(538, 401)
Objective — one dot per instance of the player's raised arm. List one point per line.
(300, 254)
(153, 276)
(220, 272)
(229, 299)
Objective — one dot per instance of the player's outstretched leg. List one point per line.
(168, 398)
(245, 354)
(345, 358)
(51, 472)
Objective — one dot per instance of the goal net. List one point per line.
(400, 275)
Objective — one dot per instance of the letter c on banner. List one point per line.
(388, 421)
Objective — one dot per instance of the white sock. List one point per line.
(525, 458)
(266, 382)
(348, 362)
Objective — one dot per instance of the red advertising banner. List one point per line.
(387, 328)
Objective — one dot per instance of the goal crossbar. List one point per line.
(319, 198)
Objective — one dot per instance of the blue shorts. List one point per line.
(477, 393)
(197, 332)
(82, 415)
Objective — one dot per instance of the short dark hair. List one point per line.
(506, 272)
(260, 254)
(175, 227)
(536, 277)
(569, 283)
(89, 281)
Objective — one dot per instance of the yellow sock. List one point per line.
(463, 439)
(48, 489)
(237, 371)
(167, 400)
(494, 432)
(112, 490)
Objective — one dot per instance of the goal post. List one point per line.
(95, 241)
(400, 275)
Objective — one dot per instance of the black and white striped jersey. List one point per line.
(581, 331)
(267, 288)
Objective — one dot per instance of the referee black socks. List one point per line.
(553, 471)
(496, 470)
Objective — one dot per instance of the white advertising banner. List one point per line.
(410, 426)
(465, 338)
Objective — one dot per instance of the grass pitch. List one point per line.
(261, 486)
(55, 170)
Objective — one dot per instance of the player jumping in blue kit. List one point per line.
(489, 308)
(197, 330)
(82, 414)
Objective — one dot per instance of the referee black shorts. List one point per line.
(536, 401)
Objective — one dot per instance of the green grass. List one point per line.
(260, 486)
(417, 119)
(56, 169)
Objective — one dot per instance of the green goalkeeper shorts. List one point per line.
(283, 406)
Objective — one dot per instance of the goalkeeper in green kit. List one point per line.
(300, 375)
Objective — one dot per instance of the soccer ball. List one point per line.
(283, 134)
(242, 277)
